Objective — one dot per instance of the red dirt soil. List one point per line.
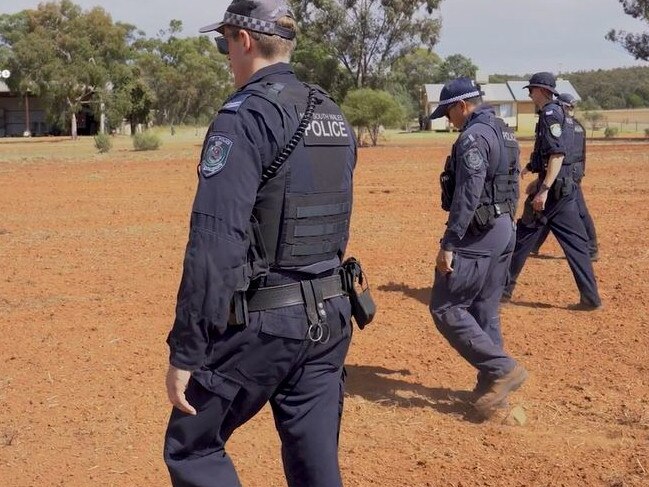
(91, 250)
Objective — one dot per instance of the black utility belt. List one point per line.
(349, 280)
(284, 295)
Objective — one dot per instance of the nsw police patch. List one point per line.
(473, 159)
(215, 155)
(555, 130)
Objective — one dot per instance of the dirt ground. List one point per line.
(91, 250)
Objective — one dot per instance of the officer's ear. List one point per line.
(463, 106)
(246, 38)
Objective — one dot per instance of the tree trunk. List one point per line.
(73, 127)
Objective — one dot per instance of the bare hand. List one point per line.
(176, 381)
(444, 261)
(538, 203)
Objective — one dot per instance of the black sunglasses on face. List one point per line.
(222, 45)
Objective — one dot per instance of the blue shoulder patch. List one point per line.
(234, 103)
(215, 155)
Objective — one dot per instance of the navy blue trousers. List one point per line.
(563, 219)
(465, 304)
(587, 220)
(268, 361)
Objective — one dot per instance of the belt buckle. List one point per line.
(497, 210)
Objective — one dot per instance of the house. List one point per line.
(500, 97)
(20, 114)
(429, 100)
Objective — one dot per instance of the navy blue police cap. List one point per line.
(255, 15)
(543, 80)
(454, 91)
(567, 99)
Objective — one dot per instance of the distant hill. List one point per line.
(604, 88)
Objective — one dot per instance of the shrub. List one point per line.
(610, 132)
(103, 143)
(646, 132)
(146, 141)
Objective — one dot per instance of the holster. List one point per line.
(447, 186)
(563, 187)
(530, 218)
(485, 216)
(357, 287)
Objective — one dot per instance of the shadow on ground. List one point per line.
(392, 388)
(421, 294)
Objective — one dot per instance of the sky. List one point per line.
(499, 36)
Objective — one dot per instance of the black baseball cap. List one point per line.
(567, 99)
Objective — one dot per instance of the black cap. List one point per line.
(256, 15)
(454, 91)
(543, 80)
(567, 99)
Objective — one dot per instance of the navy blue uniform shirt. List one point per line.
(242, 140)
(549, 140)
(471, 153)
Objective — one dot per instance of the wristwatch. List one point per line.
(544, 187)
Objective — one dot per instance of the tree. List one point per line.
(367, 36)
(594, 120)
(189, 78)
(371, 109)
(65, 55)
(636, 44)
(412, 71)
(457, 65)
(313, 63)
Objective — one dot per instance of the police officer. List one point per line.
(552, 198)
(480, 192)
(262, 315)
(579, 145)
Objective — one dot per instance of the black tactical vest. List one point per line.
(501, 183)
(580, 151)
(301, 216)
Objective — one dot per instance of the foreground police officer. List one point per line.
(579, 171)
(480, 192)
(269, 226)
(552, 197)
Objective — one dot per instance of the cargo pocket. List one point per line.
(212, 394)
(469, 273)
(277, 340)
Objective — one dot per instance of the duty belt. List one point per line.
(295, 293)
(500, 208)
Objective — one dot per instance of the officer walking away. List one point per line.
(262, 314)
(579, 145)
(480, 192)
(552, 197)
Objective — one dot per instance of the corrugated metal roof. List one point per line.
(517, 90)
(565, 86)
(4, 88)
(496, 92)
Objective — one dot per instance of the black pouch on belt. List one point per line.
(355, 284)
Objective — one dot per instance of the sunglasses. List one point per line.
(222, 45)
